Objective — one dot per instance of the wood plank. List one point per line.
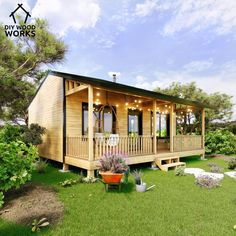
(171, 128)
(203, 128)
(76, 89)
(154, 127)
(46, 110)
(90, 123)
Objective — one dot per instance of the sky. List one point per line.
(148, 43)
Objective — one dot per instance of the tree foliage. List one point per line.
(21, 61)
(220, 103)
(220, 142)
(28, 135)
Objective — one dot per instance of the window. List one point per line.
(162, 125)
(134, 122)
(108, 120)
(104, 120)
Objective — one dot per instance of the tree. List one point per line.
(20, 67)
(220, 103)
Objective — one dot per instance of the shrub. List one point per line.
(232, 163)
(10, 133)
(1, 199)
(179, 171)
(220, 142)
(114, 163)
(90, 180)
(16, 161)
(215, 168)
(70, 182)
(232, 128)
(33, 134)
(40, 166)
(28, 135)
(207, 181)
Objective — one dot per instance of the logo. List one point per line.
(20, 7)
(20, 30)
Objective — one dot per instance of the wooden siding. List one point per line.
(73, 115)
(46, 109)
(122, 114)
(146, 122)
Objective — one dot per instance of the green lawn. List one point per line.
(175, 207)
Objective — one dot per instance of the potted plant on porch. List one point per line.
(112, 168)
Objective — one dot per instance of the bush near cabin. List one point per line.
(28, 135)
(16, 161)
(220, 142)
(17, 155)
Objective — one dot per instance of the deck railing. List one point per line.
(187, 142)
(77, 147)
(132, 146)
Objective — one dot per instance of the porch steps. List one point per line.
(164, 163)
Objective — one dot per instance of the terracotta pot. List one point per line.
(111, 178)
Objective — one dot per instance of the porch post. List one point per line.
(203, 132)
(154, 128)
(172, 127)
(90, 129)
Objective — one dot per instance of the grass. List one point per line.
(176, 206)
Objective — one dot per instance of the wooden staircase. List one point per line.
(164, 163)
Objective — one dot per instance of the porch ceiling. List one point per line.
(117, 87)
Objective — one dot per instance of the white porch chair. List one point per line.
(113, 140)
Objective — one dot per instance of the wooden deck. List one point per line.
(132, 159)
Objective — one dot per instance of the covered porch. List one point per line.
(100, 121)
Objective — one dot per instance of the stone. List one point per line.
(193, 171)
(231, 174)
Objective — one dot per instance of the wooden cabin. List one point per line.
(88, 117)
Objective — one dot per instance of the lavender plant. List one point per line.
(114, 163)
(207, 182)
(214, 168)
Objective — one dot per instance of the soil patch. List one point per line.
(221, 156)
(31, 202)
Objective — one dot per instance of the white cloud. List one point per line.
(195, 15)
(77, 14)
(198, 66)
(140, 79)
(105, 42)
(222, 81)
(146, 8)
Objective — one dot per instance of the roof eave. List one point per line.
(127, 89)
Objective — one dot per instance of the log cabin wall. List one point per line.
(46, 110)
